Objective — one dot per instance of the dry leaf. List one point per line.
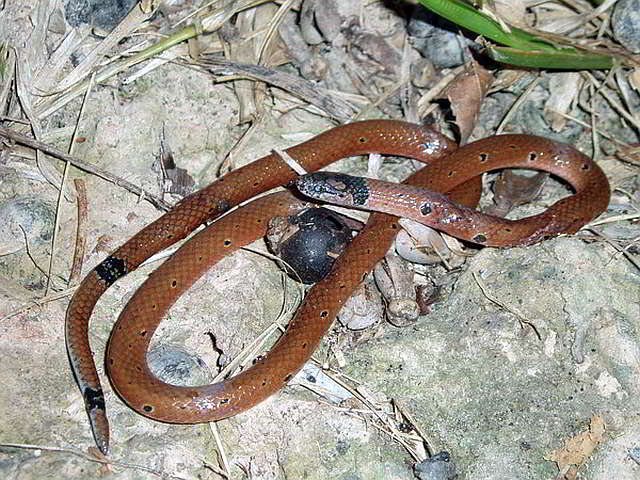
(513, 12)
(466, 93)
(564, 88)
(578, 449)
(630, 154)
(511, 189)
(634, 79)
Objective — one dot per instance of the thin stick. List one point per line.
(306, 90)
(65, 175)
(81, 231)
(485, 291)
(38, 302)
(90, 458)
(517, 104)
(85, 166)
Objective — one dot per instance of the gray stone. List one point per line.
(625, 22)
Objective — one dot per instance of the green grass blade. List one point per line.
(468, 17)
(551, 60)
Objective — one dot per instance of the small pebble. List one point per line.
(437, 39)
(105, 14)
(634, 453)
(25, 219)
(309, 242)
(176, 366)
(625, 22)
(438, 467)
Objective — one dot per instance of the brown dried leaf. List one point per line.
(466, 93)
(511, 190)
(564, 88)
(634, 79)
(630, 154)
(513, 12)
(105, 243)
(579, 448)
(240, 47)
(175, 179)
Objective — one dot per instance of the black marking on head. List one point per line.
(357, 187)
(93, 399)
(425, 208)
(111, 269)
(323, 185)
(480, 238)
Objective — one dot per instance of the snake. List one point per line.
(442, 194)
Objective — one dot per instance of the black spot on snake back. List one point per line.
(223, 205)
(93, 399)
(111, 269)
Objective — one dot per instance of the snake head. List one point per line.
(336, 188)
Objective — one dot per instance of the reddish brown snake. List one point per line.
(457, 174)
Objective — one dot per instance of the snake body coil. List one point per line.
(457, 175)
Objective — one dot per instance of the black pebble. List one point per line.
(311, 251)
